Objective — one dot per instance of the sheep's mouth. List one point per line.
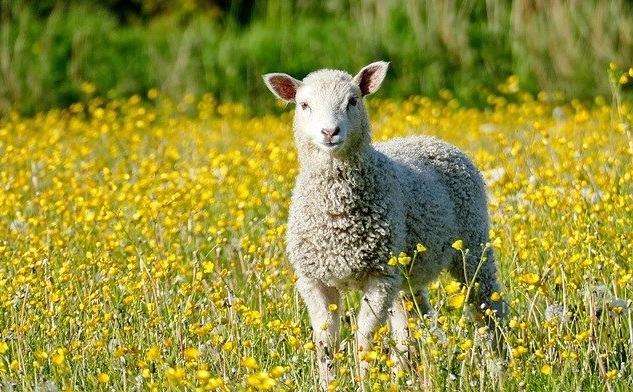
(330, 146)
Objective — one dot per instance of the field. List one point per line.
(143, 249)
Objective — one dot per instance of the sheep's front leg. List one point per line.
(325, 322)
(379, 294)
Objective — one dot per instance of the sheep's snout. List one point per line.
(331, 136)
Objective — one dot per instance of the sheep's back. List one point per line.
(455, 172)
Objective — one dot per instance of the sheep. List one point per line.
(355, 204)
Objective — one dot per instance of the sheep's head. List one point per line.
(330, 113)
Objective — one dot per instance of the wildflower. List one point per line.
(103, 378)
(581, 337)
(420, 248)
(546, 369)
(260, 381)
(152, 354)
(3, 347)
(369, 356)
(203, 375)
(58, 357)
(453, 287)
(403, 259)
(332, 307)
(250, 363)
(457, 301)
(191, 354)
(459, 245)
(529, 278)
(228, 346)
(277, 371)
(519, 351)
(214, 383)
(175, 376)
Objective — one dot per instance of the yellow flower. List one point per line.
(214, 383)
(249, 362)
(203, 375)
(529, 278)
(546, 369)
(459, 245)
(228, 346)
(457, 301)
(453, 287)
(153, 353)
(175, 376)
(58, 357)
(3, 347)
(420, 248)
(403, 259)
(332, 307)
(277, 371)
(191, 354)
(467, 344)
(260, 381)
(519, 351)
(369, 356)
(103, 378)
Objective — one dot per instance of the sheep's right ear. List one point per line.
(283, 86)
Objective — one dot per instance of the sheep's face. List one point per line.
(329, 112)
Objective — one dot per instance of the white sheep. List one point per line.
(356, 203)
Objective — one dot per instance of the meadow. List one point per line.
(142, 248)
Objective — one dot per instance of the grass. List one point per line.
(143, 248)
(469, 48)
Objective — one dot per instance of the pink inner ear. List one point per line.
(366, 82)
(284, 87)
(370, 78)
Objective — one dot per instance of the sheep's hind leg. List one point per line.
(325, 323)
(479, 267)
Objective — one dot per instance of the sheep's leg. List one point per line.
(478, 266)
(399, 321)
(378, 296)
(325, 323)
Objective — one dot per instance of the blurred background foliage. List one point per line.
(56, 52)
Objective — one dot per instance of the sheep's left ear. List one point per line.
(370, 77)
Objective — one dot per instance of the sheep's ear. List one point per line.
(282, 85)
(370, 78)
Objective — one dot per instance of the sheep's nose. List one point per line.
(329, 133)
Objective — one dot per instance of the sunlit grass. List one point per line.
(142, 249)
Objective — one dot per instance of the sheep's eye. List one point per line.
(352, 102)
(304, 105)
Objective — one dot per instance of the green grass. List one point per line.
(469, 48)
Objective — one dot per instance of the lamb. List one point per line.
(355, 204)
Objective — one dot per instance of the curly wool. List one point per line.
(348, 217)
